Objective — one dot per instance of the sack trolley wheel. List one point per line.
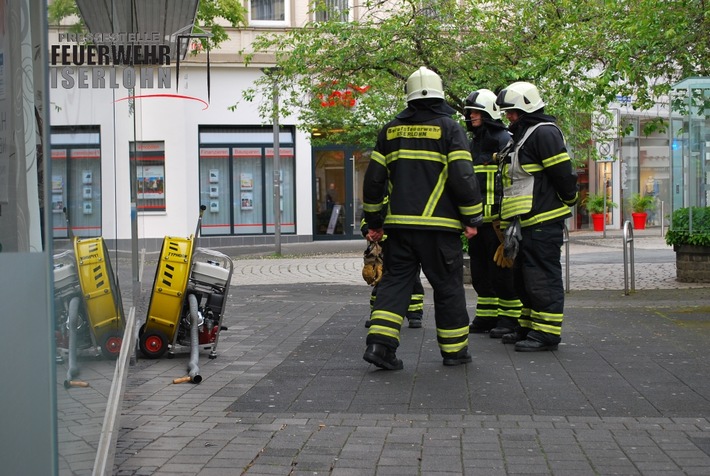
(153, 343)
(111, 346)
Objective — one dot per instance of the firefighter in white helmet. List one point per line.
(540, 186)
(422, 165)
(497, 305)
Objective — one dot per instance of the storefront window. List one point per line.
(148, 171)
(75, 188)
(237, 181)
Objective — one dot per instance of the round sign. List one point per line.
(604, 149)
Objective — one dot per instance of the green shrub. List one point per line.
(595, 203)
(680, 231)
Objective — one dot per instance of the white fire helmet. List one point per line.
(520, 95)
(424, 84)
(483, 100)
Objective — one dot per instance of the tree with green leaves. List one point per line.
(582, 55)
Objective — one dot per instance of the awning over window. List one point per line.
(167, 18)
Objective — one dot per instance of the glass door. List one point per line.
(337, 203)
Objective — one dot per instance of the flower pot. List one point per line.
(598, 221)
(639, 220)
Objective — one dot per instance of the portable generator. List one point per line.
(187, 302)
(87, 301)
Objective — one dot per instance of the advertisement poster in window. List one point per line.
(151, 181)
(247, 181)
(214, 191)
(86, 177)
(57, 184)
(247, 201)
(57, 203)
(214, 176)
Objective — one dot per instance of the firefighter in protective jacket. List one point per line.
(540, 186)
(422, 165)
(497, 305)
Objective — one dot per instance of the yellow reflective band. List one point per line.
(379, 158)
(411, 154)
(423, 221)
(476, 209)
(480, 169)
(414, 132)
(490, 301)
(460, 155)
(452, 333)
(547, 216)
(547, 317)
(486, 312)
(453, 348)
(387, 316)
(554, 330)
(372, 207)
(510, 303)
(436, 193)
(556, 159)
(385, 331)
(419, 297)
(530, 168)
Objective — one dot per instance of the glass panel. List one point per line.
(215, 191)
(286, 183)
(148, 174)
(629, 173)
(336, 10)
(248, 185)
(267, 10)
(330, 196)
(360, 162)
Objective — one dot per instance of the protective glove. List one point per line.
(372, 263)
(511, 241)
(499, 256)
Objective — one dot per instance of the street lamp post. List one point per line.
(277, 167)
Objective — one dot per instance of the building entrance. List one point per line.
(337, 201)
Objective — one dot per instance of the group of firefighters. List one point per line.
(508, 190)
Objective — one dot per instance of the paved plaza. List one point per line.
(627, 392)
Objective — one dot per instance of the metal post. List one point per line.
(277, 168)
(662, 220)
(629, 258)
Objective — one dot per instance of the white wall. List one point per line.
(175, 121)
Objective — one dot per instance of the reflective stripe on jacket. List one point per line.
(426, 172)
(540, 184)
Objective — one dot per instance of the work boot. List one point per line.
(415, 320)
(505, 325)
(537, 341)
(520, 333)
(382, 357)
(461, 357)
(481, 325)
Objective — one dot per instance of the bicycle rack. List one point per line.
(565, 240)
(629, 257)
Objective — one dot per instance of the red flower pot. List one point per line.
(598, 221)
(639, 220)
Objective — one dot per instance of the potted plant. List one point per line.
(640, 206)
(689, 234)
(595, 206)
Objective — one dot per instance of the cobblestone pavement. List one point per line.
(289, 394)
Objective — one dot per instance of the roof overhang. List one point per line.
(145, 19)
